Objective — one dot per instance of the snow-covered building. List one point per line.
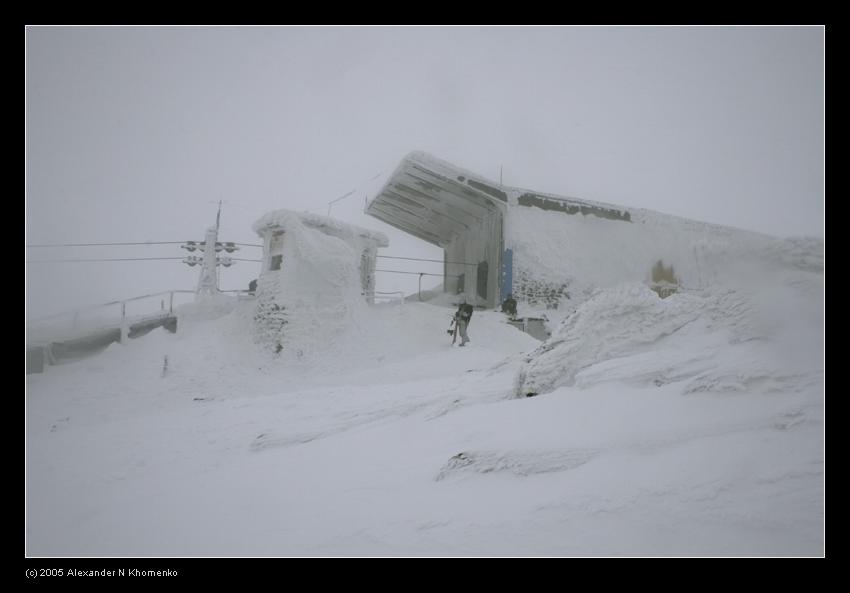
(545, 248)
(283, 237)
(315, 271)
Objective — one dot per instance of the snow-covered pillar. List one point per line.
(267, 235)
(507, 276)
(208, 282)
(367, 273)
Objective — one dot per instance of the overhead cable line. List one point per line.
(46, 261)
(439, 261)
(98, 244)
(134, 243)
(416, 273)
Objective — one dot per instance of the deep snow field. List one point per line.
(692, 425)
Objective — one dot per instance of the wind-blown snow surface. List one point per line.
(689, 426)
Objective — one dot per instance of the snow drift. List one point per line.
(747, 340)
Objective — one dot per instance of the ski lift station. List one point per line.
(542, 248)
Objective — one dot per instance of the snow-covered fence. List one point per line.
(242, 295)
(396, 298)
(104, 315)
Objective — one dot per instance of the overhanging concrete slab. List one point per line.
(430, 198)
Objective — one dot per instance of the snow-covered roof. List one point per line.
(281, 219)
(435, 200)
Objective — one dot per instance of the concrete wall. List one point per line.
(38, 357)
(481, 243)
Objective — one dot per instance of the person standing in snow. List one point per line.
(509, 306)
(462, 317)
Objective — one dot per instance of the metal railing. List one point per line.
(396, 297)
(68, 323)
(242, 294)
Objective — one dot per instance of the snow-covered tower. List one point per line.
(315, 272)
(208, 279)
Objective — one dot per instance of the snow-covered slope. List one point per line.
(688, 426)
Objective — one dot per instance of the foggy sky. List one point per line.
(134, 134)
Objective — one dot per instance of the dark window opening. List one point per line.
(275, 263)
(482, 279)
(489, 190)
(529, 199)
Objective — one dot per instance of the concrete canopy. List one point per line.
(435, 201)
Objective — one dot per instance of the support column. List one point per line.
(208, 283)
